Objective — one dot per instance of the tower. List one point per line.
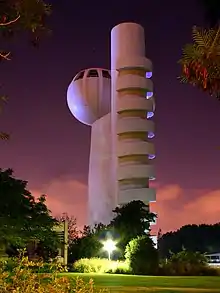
(120, 113)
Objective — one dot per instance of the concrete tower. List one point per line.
(132, 107)
(119, 108)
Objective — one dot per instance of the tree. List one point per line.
(18, 16)
(131, 220)
(202, 238)
(22, 218)
(73, 232)
(23, 15)
(142, 256)
(200, 62)
(86, 245)
(186, 263)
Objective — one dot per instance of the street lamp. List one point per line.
(109, 246)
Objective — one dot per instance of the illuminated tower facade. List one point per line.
(119, 106)
(132, 109)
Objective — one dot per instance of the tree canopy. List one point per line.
(22, 217)
(200, 62)
(142, 255)
(131, 220)
(196, 238)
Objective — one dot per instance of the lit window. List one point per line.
(148, 74)
(92, 73)
(150, 114)
(149, 95)
(150, 134)
(106, 74)
(151, 157)
(79, 75)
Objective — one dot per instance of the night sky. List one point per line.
(50, 149)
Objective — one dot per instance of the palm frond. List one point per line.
(200, 37)
(191, 52)
(207, 40)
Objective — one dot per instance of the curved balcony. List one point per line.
(132, 102)
(131, 81)
(134, 124)
(131, 62)
(144, 194)
(127, 148)
(136, 171)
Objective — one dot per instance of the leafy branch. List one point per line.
(200, 62)
(22, 15)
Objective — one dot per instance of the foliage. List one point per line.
(100, 265)
(142, 256)
(131, 220)
(186, 263)
(73, 232)
(202, 238)
(200, 61)
(22, 218)
(23, 280)
(22, 16)
(86, 245)
(37, 266)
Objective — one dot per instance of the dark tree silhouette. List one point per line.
(22, 217)
(195, 238)
(131, 220)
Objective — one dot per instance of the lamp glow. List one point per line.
(109, 246)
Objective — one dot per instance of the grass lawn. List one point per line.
(127, 283)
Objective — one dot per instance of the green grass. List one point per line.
(126, 283)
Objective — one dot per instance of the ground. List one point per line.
(126, 283)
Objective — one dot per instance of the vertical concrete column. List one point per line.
(132, 109)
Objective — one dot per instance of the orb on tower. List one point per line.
(89, 95)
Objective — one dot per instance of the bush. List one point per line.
(186, 263)
(22, 279)
(100, 265)
(8, 265)
(142, 256)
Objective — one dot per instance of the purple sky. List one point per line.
(50, 148)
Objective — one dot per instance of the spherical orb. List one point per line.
(89, 95)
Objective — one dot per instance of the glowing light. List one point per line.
(148, 74)
(109, 245)
(149, 95)
(150, 114)
(150, 135)
(151, 157)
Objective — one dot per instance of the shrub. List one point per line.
(22, 279)
(8, 264)
(142, 256)
(186, 263)
(100, 265)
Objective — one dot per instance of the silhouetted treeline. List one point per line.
(202, 238)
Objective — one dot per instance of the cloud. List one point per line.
(66, 195)
(175, 206)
